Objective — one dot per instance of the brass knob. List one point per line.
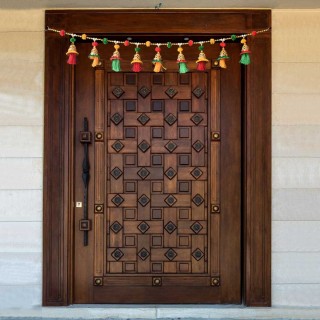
(216, 63)
(98, 281)
(99, 136)
(215, 208)
(215, 282)
(157, 281)
(216, 136)
(98, 208)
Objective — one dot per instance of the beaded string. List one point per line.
(148, 43)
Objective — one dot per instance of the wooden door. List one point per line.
(242, 96)
(154, 193)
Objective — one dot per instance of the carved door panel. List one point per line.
(154, 194)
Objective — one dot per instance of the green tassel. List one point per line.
(116, 65)
(183, 67)
(245, 59)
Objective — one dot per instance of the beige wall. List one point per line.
(296, 157)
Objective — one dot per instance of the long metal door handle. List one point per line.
(85, 139)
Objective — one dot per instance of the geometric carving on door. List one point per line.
(144, 91)
(196, 227)
(198, 92)
(171, 146)
(117, 92)
(171, 92)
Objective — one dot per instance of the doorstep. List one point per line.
(163, 312)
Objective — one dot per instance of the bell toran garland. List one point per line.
(157, 61)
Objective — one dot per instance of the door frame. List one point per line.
(58, 202)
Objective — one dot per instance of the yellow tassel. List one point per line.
(222, 64)
(157, 67)
(95, 62)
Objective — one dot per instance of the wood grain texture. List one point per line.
(257, 179)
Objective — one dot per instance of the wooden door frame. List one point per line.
(59, 136)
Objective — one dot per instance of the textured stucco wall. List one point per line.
(296, 157)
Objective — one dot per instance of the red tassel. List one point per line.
(72, 58)
(136, 67)
(136, 61)
(201, 66)
(202, 59)
(72, 53)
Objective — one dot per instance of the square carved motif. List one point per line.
(157, 79)
(129, 267)
(130, 241)
(130, 132)
(184, 267)
(131, 105)
(157, 241)
(157, 105)
(131, 79)
(156, 186)
(184, 132)
(157, 159)
(130, 159)
(130, 186)
(184, 159)
(184, 78)
(184, 241)
(156, 214)
(156, 133)
(184, 214)
(184, 186)
(157, 267)
(184, 105)
(130, 214)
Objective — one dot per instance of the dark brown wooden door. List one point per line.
(154, 194)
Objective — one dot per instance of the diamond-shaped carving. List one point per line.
(170, 119)
(143, 227)
(144, 91)
(117, 254)
(117, 146)
(170, 173)
(197, 254)
(144, 200)
(197, 173)
(197, 200)
(196, 227)
(117, 200)
(116, 227)
(170, 200)
(170, 254)
(170, 227)
(171, 146)
(171, 92)
(198, 92)
(198, 146)
(143, 254)
(196, 118)
(143, 173)
(116, 118)
(117, 92)
(143, 118)
(144, 146)
(116, 173)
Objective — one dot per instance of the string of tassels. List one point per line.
(137, 63)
